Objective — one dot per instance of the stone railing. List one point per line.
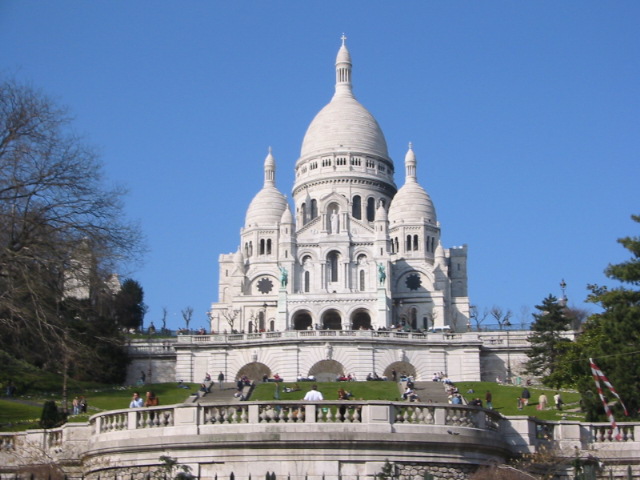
(365, 335)
(291, 412)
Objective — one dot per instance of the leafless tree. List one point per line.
(187, 313)
(230, 315)
(57, 221)
(165, 312)
(478, 317)
(500, 316)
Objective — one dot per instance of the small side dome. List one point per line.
(412, 204)
(238, 258)
(381, 212)
(266, 208)
(269, 204)
(287, 217)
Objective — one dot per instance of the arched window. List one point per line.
(428, 249)
(260, 325)
(356, 208)
(250, 249)
(408, 244)
(314, 209)
(269, 246)
(272, 326)
(261, 247)
(307, 281)
(332, 263)
(303, 212)
(433, 242)
(361, 283)
(371, 209)
(415, 242)
(397, 249)
(250, 327)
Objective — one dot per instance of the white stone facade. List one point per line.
(353, 252)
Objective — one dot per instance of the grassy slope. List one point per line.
(504, 396)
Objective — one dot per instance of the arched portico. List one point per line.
(332, 320)
(361, 320)
(302, 320)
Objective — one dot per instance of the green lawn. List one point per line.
(18, 416)
(504, 396)
(505, 400)
(329, 390)
(22, 416)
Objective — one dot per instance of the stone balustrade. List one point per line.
(409, 433)
(498, 338)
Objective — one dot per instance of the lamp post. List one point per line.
(563, 286)
(507, 324)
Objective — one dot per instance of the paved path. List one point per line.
(428, 392)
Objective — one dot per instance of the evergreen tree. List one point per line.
(611, 338)
(547, 340)
(130, 307)
(51, 416)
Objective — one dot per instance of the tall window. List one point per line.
(268, 246)
(356, 208)
(408, 244)
(371, 209)
(307, 281)
(361, 283)
(333, 266)
(415, 242)
(261, 247)
(303, 212)
(314, 209)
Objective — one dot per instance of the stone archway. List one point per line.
(327, 370)
(361, 320)
(302, 320)
(331, 320)
(401, 368)
(255, 371)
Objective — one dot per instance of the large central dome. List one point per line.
(344, 125)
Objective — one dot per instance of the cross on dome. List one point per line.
(343, 38)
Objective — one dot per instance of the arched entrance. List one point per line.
(302, 321)
(331, 320)
(361, 320)
(254, 370)
(401, 368)
(327, 370)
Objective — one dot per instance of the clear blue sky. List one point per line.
(525, 119)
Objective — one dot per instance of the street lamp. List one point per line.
(563, 286)
(507, 324)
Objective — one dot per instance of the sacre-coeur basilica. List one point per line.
(344, 277)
